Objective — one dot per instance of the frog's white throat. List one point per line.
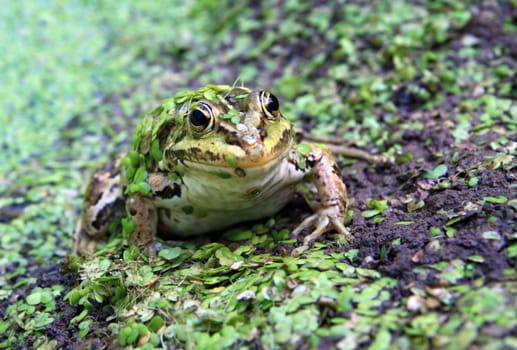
(222, 196)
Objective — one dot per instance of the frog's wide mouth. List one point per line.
(228, 156)
(215, 152)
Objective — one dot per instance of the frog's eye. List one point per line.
(270, 105)
(201, 117)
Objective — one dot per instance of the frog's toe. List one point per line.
(339, 227)
(150, 251)
(323, 221)
(312, 221)
(84, 246)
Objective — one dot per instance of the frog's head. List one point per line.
(226, 126)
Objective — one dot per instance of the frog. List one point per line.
(205, 160)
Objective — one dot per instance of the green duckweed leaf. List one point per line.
(437, 172)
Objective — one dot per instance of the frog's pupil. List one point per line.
(198, 118)
(272, 103)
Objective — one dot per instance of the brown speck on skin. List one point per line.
(253, 191)
(240, 172)
(284, 139)
(169, 192)
(209, 155)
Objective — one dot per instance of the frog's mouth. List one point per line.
(216, 152)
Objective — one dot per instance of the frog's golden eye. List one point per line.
(270, 105)
(202, 117)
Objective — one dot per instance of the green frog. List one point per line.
(207, 159)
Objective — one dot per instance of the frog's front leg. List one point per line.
(145, 217)
(333, 199)
(143, 210)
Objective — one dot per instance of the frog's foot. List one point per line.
(145, 218)
(83, 244)
(324, 220)
(148, 249)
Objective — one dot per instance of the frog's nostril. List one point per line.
(249, 139)
(241, 127)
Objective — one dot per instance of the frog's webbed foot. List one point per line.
(149, 250)
(324, 220)
(333, 200)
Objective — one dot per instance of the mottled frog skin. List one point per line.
(205, 160)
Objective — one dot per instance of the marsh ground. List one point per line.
(433, 262)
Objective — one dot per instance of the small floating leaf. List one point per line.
(499, 199)
(437, 172)
(238, 235)
(231, 160)
(170, 254)
(304, 148)
(494, 235)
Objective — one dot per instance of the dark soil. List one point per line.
(414, 246)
